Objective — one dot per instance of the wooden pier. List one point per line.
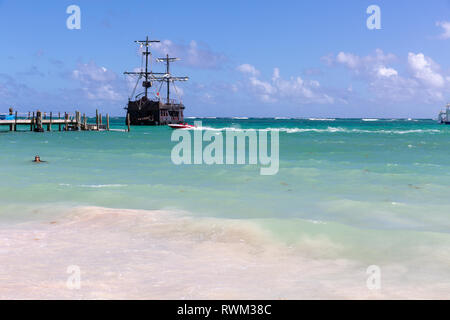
(38, 121)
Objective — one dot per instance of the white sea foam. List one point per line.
(316, 130)
(344, 130)
(118, 130)
(322, 119)
(102, 185)
(95, 185)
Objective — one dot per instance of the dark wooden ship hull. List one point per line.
(145, 112)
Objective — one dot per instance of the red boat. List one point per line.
(181, 126)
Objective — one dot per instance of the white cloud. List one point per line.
(423, 83)
(445, 25)
(103, 92)
(294, 89)
(192, 55)
(387, 72)
(262, 86)
(86, 72)
(349, 60)
(276, 74)
(97, 82)
(374, 64)
(248, 68)
(425, 69)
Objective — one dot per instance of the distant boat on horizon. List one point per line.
(444, 116)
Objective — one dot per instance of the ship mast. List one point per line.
(167, 77)
(146, 84)
(151, 76)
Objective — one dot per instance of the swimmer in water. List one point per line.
(38, 159)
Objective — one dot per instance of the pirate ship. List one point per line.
(152, 111)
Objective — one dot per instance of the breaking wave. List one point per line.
(344, 130)
(94, 185)
(325, 130)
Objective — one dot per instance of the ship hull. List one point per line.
(145, 112)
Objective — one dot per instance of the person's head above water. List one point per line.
(37, 158)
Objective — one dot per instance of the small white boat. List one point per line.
(180, 126)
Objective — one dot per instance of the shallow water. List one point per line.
(349, 194)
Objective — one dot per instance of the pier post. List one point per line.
(84, 121)
(38, 127)
(128, 121)
(32, 122)
(15, 122)
(96, 117)
(77, 121)
(11, 113)
(66, 124)
(49, 125)
(59, 118)
(107, 122)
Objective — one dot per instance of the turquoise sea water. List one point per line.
(370, 192)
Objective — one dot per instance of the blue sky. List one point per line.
(244, 58)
